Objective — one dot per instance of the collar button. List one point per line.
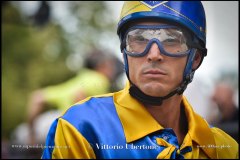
(165, 138)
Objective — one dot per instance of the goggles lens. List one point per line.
(172, 39)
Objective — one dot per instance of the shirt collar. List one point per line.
(137, 122)
(199, 130)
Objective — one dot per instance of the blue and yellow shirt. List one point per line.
(118, 126)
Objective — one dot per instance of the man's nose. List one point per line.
(154, 53)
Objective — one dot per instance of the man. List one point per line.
(163, 43)
(223, 97)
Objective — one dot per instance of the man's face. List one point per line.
(156, 74)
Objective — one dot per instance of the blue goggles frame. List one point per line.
(154, 40)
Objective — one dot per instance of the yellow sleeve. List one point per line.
(227, 147)
(94, 83)
(69, 143)
(60, 95)
(87, 82)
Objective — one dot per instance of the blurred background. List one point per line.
(45, 43)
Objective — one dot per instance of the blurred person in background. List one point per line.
(227, 119)
(97, 77)
(163, 43)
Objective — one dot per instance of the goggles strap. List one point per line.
(126, 64)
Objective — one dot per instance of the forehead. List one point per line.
(150, 23)
(153, 22)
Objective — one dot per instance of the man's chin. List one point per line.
(154, 91)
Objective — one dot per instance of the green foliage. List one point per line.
(25, 66)
(94, 20)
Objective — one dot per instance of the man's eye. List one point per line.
(141, 39)
(170, 41)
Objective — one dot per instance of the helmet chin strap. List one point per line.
(135, 92)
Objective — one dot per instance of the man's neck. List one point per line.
(171, 115)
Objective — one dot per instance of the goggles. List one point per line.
(171, 40)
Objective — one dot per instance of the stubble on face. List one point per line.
(156, 85)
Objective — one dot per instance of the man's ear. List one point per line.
(197, 60)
